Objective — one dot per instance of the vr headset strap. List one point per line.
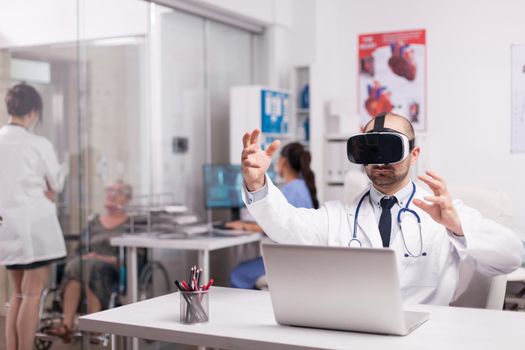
(379, 123)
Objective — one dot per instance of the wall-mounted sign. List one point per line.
(275, 111)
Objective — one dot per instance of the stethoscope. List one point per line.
(355, 242)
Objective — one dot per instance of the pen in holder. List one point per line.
(194, 303)
(194, 306)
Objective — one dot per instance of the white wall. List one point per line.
(263, 11)
(468, 136)
(55, 21)
(31, 23)
(281, 40)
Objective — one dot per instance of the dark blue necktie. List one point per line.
(385, 221)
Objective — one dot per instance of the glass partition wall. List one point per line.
(93, 98)
(134, 106)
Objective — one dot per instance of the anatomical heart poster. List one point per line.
(392, 75)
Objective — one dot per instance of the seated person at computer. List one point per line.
(293, 166)
(299, 190)
(428, 259)
(100, 274)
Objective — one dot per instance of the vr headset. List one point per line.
(379, 146)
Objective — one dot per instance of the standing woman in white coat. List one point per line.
(30, 234)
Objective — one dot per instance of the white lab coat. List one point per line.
(431, 279)
(29, 231)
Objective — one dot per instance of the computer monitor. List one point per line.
(222, 186)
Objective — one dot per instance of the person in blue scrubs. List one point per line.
(300, 191)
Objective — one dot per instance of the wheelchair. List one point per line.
(50, 310)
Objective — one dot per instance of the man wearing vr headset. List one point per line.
(430, 232)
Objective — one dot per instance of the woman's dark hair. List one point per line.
(299, 160)
(23, 99)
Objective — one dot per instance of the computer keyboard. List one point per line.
(221, 226)
(196, 229)
(186, 232)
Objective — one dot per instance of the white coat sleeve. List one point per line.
(54, 173)
(495, 249)
(284, 223)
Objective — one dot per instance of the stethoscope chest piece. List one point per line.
(414, 256)
(354, 243)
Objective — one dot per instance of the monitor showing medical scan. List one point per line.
(223, 186)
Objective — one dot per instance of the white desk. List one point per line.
(243, 319)
(203, 244)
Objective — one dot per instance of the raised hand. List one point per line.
(441, 208)
(255, 162)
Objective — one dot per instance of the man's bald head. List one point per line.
(395, 122)
(390, 178)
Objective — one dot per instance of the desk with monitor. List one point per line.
(222, 189)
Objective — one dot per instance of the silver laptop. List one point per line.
(351, 289)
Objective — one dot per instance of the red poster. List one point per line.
(392, 75)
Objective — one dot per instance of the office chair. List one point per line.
(515, 299)
(355, 182)
(475, 289)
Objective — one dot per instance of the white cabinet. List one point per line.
(258, 107)
(300, 86)
(336, 165)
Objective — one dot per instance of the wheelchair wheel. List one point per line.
(146, 289)
(42, 343)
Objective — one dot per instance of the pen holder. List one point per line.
(194, 307)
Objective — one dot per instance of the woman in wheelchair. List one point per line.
(98, 266)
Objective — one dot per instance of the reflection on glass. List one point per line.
(113, 151)
(53, 73)
(115, 123)
(146, 110)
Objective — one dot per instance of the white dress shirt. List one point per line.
(402, 197)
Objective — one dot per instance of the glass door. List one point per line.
(179, 121)
(135, 106)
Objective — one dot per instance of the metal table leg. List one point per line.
(204, 263)
(133, 285)
(132, 275)
(113, 342)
